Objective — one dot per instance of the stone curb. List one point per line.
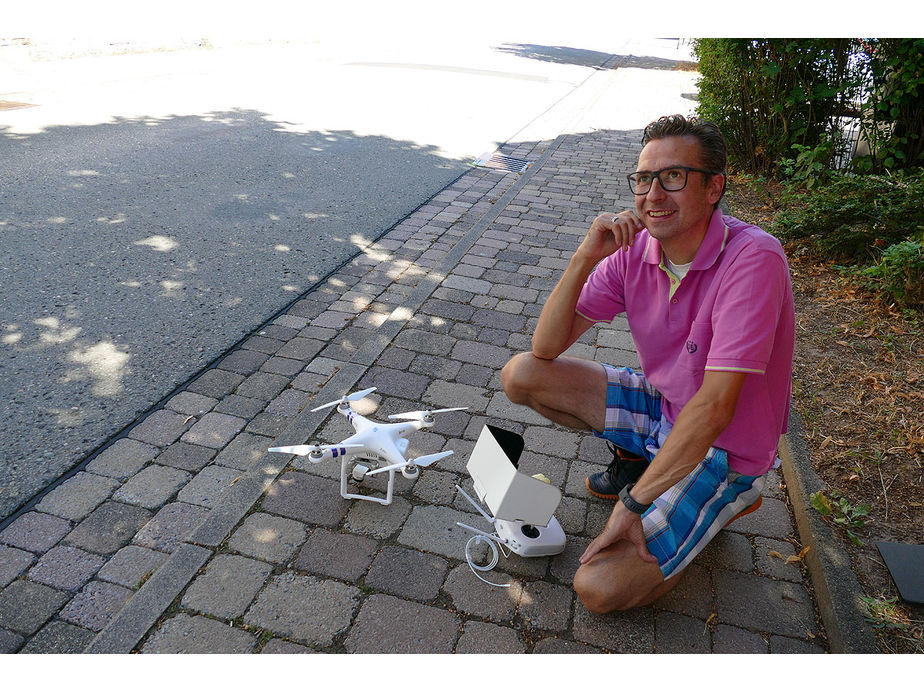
(837, 590)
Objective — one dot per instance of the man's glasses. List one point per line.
(671, 179)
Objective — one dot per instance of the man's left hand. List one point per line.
(621, 525)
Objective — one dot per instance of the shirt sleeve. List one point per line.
(747, 312)
(602, 299)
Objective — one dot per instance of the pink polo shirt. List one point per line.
(733, 311)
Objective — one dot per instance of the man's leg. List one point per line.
(616, 579)
(566, 390)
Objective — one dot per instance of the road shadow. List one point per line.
(594, 59)
(134, 253)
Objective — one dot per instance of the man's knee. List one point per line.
(617, 580)
(600, 594)
(516, 378)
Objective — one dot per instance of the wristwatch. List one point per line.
(630, 503)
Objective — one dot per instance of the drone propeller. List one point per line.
(424, 461)
(308, 449)
(423, 414)
(347, 398)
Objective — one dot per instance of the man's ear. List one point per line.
(715, 188)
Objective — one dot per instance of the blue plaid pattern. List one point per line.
(683, 520)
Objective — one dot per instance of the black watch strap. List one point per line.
(630, 503)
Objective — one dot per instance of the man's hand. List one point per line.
(622, 524)
(609, 233)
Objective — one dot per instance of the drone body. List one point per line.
(375, 448)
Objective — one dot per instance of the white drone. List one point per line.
(373, 443)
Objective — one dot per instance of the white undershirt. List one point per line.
(680, 271)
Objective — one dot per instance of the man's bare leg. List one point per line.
(566, 390)
(616, 579)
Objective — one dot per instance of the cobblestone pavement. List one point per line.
(185, 535)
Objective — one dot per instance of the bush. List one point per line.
(854, 218)
(776, 99)
(900, 273)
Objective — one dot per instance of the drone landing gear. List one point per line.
(359, 473)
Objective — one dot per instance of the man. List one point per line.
(709, 304)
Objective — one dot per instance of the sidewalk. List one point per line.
(185, 535)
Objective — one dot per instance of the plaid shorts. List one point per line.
(688, 515)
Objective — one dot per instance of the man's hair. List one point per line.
(711, 142)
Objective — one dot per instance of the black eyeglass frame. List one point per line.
(657, 175)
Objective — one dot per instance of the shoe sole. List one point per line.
(747, 511)
(604, 496)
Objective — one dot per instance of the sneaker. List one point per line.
(625, 469)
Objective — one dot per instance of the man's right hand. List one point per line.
(609, 233)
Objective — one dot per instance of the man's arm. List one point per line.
(698, 425)
(559, 326)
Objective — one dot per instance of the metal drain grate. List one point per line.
(502, 162)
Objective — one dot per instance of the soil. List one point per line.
(858, 387)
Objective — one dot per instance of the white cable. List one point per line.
(477, 539)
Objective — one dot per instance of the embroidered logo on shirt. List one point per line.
(691, 346)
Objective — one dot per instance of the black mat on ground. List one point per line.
(906, 563)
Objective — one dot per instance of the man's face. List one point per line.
(679, 218)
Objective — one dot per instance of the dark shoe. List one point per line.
(625, 469)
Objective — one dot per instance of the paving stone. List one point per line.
(559, 646)
(407, 573)
(546, 606)
(227, 587)
(544, 440)
(389, 625)
(216, 383)
(303, 349)
(289, 403)
(270, 425)
(161, 428)
(170, 526)
(433, 528)
(35, 532)
(152, 486)
(59, 637)
(66, 567)
(307, 498)
(728, 550)
(732, 640)
(241, 407)
(770, 520)
(378, 521)
(471, 595)
(678, 634)
(436, 487)
(481, 354)
(263, 386)
(10, 642)
(242, 452)
(95, 604)
(758, 603)
(424, 342)
(280, 646)
(122, 459)
(335, 554)
(630, 632)
(777, 567)
(487, 638)
(692, 594)
(207, 487)
(78, 496)
(442, 394)
(268, 537)
(108, 528)
(132, 565)
(25, 606)
(191, 403)
(185, 634)
(333, 605)
(13, 563)
(214, 430)
(243, 361)
(190, 458)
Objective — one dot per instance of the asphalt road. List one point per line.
(156, 208)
